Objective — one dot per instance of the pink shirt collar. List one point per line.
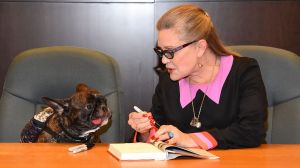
(214, 89)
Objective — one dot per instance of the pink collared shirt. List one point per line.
(214, 89)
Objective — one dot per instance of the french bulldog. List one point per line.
(76, 119)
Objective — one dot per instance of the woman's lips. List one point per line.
(170, 70)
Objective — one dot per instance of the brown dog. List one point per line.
(75, 119)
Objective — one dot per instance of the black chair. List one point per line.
(281, 74)
(54, 72)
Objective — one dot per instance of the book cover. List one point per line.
(155, 151)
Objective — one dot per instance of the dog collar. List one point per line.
(86, 133)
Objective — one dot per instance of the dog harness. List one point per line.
(38, 124)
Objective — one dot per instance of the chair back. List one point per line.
(281, 74)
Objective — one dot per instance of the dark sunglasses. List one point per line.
(169, 53)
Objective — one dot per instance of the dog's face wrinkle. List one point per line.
(82, 121)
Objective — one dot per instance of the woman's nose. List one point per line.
(165, 60)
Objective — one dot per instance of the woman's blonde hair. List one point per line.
(191, 23)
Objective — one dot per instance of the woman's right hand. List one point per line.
(141, 122)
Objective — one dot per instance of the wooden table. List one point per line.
(43, 155)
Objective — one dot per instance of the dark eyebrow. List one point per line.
(166, 47)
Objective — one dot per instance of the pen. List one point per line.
(170, 134)
(140, 111)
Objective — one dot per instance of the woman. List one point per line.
(209, 97)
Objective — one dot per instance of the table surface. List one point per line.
(46, 155)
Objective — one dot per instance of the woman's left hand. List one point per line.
(179, 138)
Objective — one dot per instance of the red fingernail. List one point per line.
(145, 115)
(152, 137)
(150, 117)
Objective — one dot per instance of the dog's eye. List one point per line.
(89, 107)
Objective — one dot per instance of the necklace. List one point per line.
(195, 120)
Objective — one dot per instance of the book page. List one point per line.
(175, 151)
(136, 151)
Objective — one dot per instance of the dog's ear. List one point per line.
(82, 87)
(58, 105)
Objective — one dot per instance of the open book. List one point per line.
(155, 151)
